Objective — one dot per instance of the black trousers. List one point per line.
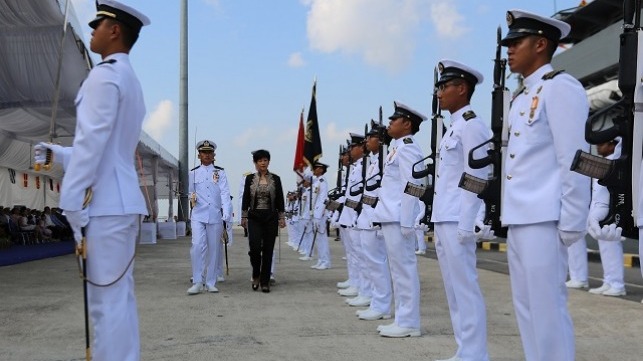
(262, 231)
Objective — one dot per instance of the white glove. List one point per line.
(334, 225)
(570, 237)
(40, 153)
(422, 227)
(465, 236)
(485, 231)
(408, 232)
(608, 232)
(227, 217)
(320, 225)
(77, 220)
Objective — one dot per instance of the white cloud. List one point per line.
(295, 60)
(332, 134)
(381, 32)
(244, 138)
(159, 120)
(448, 22)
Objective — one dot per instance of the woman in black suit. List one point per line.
(262, 211)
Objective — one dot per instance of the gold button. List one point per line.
(517, 134)
(508, 176)
(522, 113)
(511, 155)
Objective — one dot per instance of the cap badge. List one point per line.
(510, 18)
(206, 144)
(440, 67)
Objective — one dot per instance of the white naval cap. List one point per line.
(451, 69)
(522, 23)
(206, 145)
(111, 9)
(404, 111)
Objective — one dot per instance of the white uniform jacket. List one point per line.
(546, 128)
(451, 203)
(365, 219)
(349, 215)
(110, 110)
(320, 195)
(304, 210)
(394, 205)
(212, 194)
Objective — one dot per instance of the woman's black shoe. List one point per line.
(255, 284)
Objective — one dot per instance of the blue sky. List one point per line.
(252, 65)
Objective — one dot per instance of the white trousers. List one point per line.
(577, 259)
(612, 261)
(353, 272)
(537, 270)
(365, 285)
(376, 266)
(111, 243)
(323, 248)
(420, 244)
(404, 274)
(205, 251)
(466, 303)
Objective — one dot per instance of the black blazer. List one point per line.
(277, 199)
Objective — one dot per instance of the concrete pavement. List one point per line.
(303, 318)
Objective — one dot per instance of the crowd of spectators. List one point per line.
(22, 225)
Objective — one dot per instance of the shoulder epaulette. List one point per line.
(217, 167)
(408, 140)
(469, 114)
(552, 74)
(247, 174)
(110, 61)
(197, 167)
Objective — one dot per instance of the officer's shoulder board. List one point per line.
(468, 115)
(197, 167)
(217, 167)
(552, 74)
(246, 174)
(109, 61)
(408, 140)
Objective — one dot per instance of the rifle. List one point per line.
(490, 190)
(620, 176)
(437, 131)
(382, 134)
(336, 193)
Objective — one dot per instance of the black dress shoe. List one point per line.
(265, 289)
(255, 284)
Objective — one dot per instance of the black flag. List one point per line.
(312, 143)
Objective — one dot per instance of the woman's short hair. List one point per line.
(260, 154)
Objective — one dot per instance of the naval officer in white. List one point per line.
(211, 206)
(110, 109)
(396, 212)
(544, 204)
(455, 209)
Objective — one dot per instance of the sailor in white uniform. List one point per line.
(609, 242)
(544, 204)
(210, 202)
(373, 246)
(320, 190)
(110, 109)
(348, 218)
(396, 212)
(455, 210)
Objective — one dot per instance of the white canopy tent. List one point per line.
(31, 37)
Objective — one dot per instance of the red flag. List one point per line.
(299, 151)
